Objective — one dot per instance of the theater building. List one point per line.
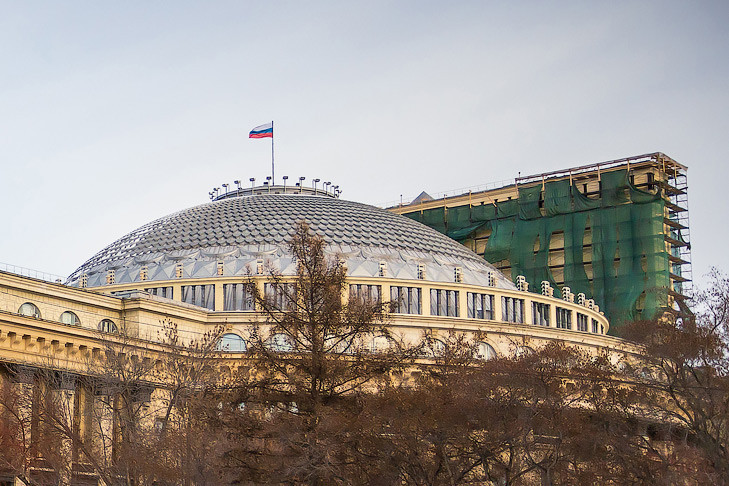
(191, 267)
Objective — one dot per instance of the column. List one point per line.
(63, 397)
(23, 388)
(219, 297)
(528, 311)
(498, 306)
(552, 315)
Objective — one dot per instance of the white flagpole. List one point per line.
(273, 178)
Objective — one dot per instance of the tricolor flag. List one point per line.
(262, 131)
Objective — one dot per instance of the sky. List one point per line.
(113, 114)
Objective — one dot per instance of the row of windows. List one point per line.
(278, 342)
(564, 318)
(165, 292)
(280, 295)
(366, 294)
(540, 314)
(581, 322)
(405, 300)
(233, 343)
(480, 306)
(512, 310)
(199, 295)
(67, 317)
(444, 303)
(237, 297)
(540, 317)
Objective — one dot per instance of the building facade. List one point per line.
(191, 268)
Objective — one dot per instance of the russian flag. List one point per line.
(262, 131)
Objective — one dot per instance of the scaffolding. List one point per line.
(617, 231)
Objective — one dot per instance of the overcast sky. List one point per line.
(113, 114)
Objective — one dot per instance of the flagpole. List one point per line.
(273, 178)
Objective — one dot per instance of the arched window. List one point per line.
(280, 342)
(522, 351)
(29, 310)
(232, 343)
(433, 348)
(484, 351)
(107, 325)
(379, 344)
(70, 318)
(339, 344)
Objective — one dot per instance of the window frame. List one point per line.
(490, 351)
(512, 309)
(36, 313)
(278, 347)
(108, 326)
(445, 303)
(77, 321)
(219, 346)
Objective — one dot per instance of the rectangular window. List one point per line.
(444, 303)
(281, 296)
(564, 318)
(237, 297)
(581, 322)
(480, 306)
(405, 300)
(165, 292)
(199, 295)
(512, 309)
(366, 294)
(540, 314)
(595, 328)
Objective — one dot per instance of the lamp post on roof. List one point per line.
(237, 183)
(313, 184)
(336, 191)
(226, 188)
(326, 186)
(285, 178)
(253, 181)
(301, 183)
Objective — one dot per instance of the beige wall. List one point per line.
(48, 342)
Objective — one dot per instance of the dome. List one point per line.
(238, 232)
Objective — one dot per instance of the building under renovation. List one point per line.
(614, 233)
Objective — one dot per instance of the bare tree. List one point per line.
(310, 360)
(683, 381)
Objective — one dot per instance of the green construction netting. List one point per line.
(619, 235)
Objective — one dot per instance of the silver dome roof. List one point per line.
(239, 231)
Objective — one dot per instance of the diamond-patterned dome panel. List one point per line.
(229, 227)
